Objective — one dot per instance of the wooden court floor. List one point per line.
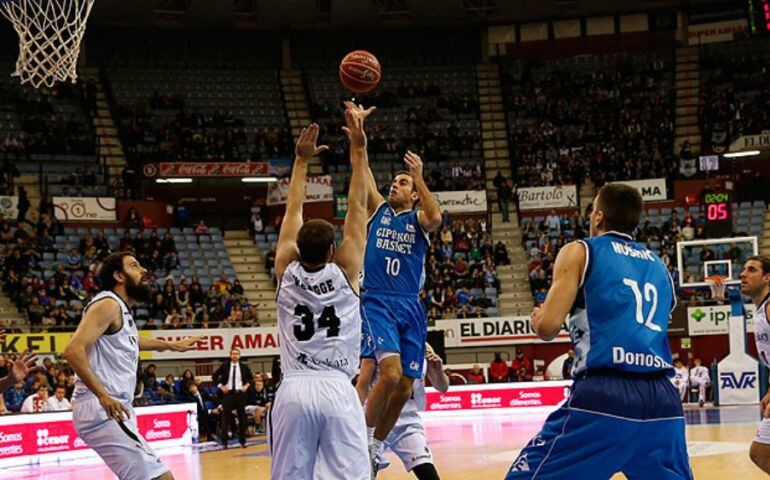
(468, 448)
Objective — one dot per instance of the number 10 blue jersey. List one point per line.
(620, 317)
(395, 252)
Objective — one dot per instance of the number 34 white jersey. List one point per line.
(319, 320)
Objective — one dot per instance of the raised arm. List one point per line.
(373, 196)
(430, 215)
(350, 254)
(97, 320)
(567, 273)
(286, 250)
(158, 345)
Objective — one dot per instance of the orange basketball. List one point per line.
(360, 71)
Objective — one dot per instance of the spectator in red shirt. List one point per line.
(476, 375)
(498, 370)
(201, 228)
(520, 361)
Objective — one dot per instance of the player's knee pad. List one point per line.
(426, 471)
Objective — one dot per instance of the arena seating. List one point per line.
(200, 256)
(431, 109)
(735, 97)
(542, 243)
(199, 113)
(607, 117)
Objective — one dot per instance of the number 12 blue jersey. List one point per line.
(395, 252)
(620, 317)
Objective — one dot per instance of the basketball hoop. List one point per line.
(49, 32)
(717, 286)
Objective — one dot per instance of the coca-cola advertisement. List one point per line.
(465, 398)
(51, 437)
(209, 169)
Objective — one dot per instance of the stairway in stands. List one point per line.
(9, 313)
(249, 267)
(687, 86)
(109, 144)
(297, 110)
(516, 296)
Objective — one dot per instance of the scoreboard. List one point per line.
(719, 214)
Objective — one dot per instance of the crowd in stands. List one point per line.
(543, 237)
(461, 270)
(415, 117)
(735, 97)
(164, 129)
(43, 129)
(422, 107)
(53, 299)
(518, 369)
(49, 388)
(609, 123)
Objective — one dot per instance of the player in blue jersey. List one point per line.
(623, 414)
(393, 318)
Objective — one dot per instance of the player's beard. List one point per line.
(139, 292)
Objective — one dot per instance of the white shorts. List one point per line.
(316, 429)
(119, 444)
(763, 434)
(409, 444)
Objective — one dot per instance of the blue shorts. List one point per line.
(394, 323)
(610, 424)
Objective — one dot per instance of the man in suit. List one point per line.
(200, 396)
(232, 378)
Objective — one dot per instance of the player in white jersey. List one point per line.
(104, 352)
(700, 377)
(680, 378)
(316, 429)
(407, 438)
(755, 283)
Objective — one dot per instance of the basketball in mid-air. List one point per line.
(360, 71)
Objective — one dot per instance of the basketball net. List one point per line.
(49, 32)
(717, 286)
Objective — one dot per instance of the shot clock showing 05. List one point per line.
(719, 214)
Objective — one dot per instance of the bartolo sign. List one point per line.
(542, 198)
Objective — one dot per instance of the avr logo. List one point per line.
(731, 380)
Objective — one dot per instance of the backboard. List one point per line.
(698, 259)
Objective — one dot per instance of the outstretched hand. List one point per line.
(306, 143)
(22, 366)
(186, 344)
(354, 118)
(414, 162)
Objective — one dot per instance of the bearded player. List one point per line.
(104, 352)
